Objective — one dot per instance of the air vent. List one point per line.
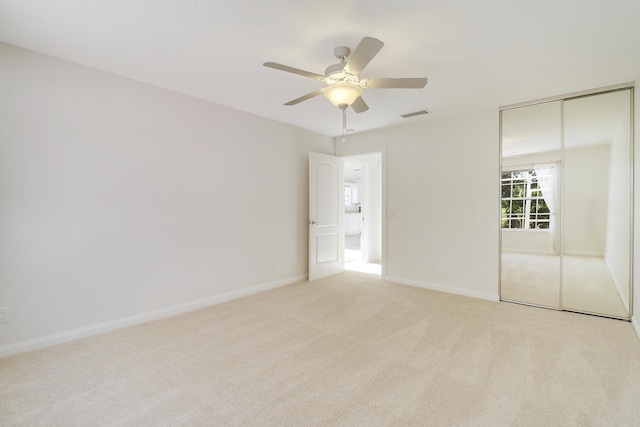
(417, 113)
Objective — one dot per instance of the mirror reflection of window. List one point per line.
(523, 203)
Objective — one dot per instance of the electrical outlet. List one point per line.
(4, 315)
(272, 264)
(432, 265)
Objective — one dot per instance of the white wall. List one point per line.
(373, 177)
(440, 174)
(527, 241)
(586, 192)
(619, 208)
(118, 198)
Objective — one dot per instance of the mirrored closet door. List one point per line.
(530, 182)
(566, 174)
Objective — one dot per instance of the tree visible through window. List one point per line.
(523, 206)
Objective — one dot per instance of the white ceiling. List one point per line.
(476, 54)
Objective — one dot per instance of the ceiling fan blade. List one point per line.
(298, 71)
(389, 83)
(359, 106)
(363, 54)
(305, 97)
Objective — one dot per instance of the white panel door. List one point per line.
(326, 215)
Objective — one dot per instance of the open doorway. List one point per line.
(363, 213)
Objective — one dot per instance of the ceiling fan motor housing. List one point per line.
(342, 53)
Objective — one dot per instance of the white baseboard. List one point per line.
(444, 288)
(585, 253)
(528, 251)
(636, 325)
(149, 316)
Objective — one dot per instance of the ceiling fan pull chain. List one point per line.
(344, 125)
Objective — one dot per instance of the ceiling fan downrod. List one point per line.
(344, 107)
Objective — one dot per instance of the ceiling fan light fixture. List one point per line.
(342, 93)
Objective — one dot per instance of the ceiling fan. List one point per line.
(344, 86)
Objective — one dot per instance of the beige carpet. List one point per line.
(350, 350)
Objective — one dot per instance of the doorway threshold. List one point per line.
(363, 267)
